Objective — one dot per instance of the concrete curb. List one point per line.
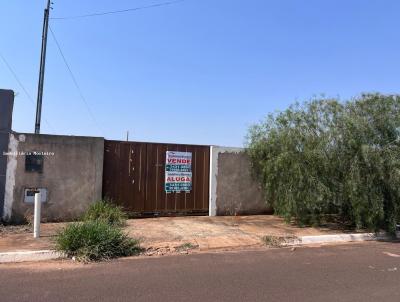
(12, 257)
(304, 240)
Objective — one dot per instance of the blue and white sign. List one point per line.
(178, 172)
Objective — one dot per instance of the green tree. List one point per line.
(331, 157)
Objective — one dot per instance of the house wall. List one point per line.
(6, 108)
(233, 190)
(72, 174)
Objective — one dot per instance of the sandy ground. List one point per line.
(175, 234)
(222, 232)
(20, 238)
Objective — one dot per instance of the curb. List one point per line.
(12, 257)
(304, 240)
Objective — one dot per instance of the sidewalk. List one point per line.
(222, 232)
(167, 235)
(20, 238)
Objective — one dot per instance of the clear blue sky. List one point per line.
(200, 71)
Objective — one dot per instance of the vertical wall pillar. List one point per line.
(212, 207)
(6, 108)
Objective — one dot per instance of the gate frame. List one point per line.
(205, 179)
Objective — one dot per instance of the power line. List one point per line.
(75, 81)
(23, 87)
(118, 11)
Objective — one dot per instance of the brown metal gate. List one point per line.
(134, 178)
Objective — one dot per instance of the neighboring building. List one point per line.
(6, 108)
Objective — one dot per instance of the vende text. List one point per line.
(179, 161)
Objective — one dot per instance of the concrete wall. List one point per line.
(72, 174)
(6, 108)
(233, 191)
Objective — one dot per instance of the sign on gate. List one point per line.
(178, 172)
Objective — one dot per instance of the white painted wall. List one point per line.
(10, 175)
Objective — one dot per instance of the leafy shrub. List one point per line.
(104, 210)
(95, 240)
(331, 157)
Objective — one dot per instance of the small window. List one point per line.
(34, 163)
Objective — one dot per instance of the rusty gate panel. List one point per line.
(134, 178)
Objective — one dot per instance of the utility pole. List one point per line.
(42, 66)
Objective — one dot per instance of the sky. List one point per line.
(193, 72)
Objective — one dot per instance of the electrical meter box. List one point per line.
(29, 194)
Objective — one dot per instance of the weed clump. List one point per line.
(95, 240)
(105, 211)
